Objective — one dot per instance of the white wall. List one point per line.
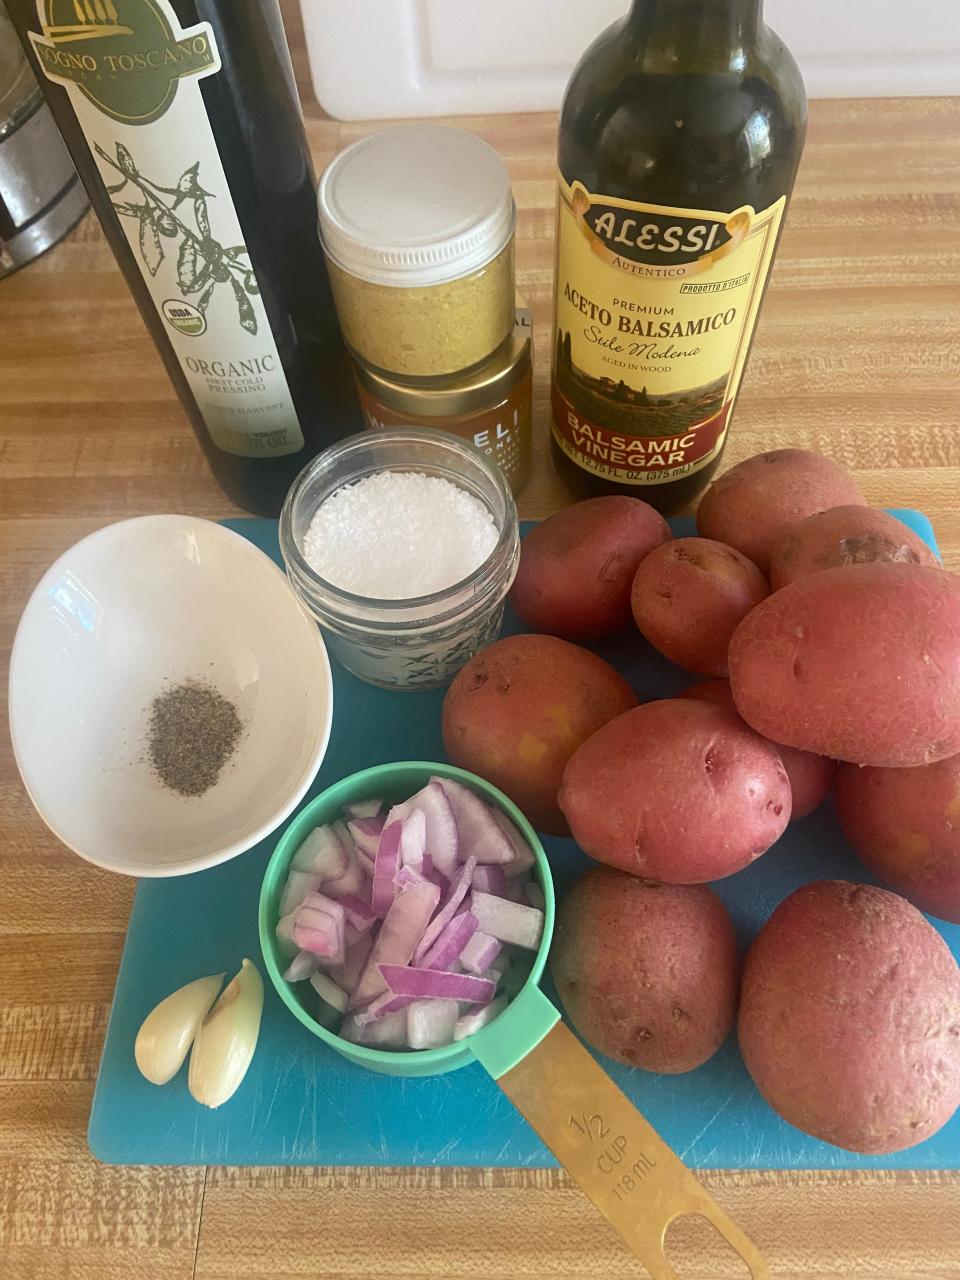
(373, 58)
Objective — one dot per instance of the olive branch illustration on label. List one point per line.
(202, 262)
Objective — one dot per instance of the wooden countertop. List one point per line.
(858, 355)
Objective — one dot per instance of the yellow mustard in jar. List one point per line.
(417, 224)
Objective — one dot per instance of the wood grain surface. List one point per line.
(858, 354)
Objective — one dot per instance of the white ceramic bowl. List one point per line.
(136, 607)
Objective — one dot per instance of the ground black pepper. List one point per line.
(193, 732)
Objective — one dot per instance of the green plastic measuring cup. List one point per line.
(499, 1045)
(615, 1156)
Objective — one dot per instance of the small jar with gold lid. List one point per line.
(490, 407)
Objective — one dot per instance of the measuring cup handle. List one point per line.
(615, 1156)
(508, 1039)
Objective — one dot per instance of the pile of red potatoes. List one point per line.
(828, 639)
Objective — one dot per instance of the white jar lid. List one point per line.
(415, 205)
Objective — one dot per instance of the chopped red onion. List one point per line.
(452, 939)
(448, 907)
(386, 867)
(347, 975)
(429, 872)
(397, 813)
(479, 835)
(385, 1003)
(442, 833)
(351, 934)
(284, 932)
(319, 927)
(366, 834)
(339, 829)
(328, 990)
(434, 984)
(535, 895)
(470, 1022)
(358, 913)
(431, 1023)
(320, 902)
(480, 952)
(508, 921)
(366, 860)
(389, 1032)
(317, 932)
(399, 934)
(352, 880)
(413, 915)
(363, 808)
(522, 855)
(321, 854)
(490, 880)
(303, 965)
(413, 839)
(299, 884)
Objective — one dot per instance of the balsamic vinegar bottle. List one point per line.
(183, 121)
(680, 137)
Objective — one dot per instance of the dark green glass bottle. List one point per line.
(183, 121)
(680, 136)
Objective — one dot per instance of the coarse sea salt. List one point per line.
(398, 534)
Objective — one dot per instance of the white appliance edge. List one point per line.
(373, 59)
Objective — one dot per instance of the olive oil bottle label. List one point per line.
(132, 74)
(655, 309)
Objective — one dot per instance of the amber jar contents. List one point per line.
(417, 224)
(489, 407)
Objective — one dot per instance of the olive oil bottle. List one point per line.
(680, 137)
(183, 121)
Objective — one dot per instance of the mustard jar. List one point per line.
(417, 224)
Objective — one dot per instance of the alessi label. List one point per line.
(132, 72)
(655, 309)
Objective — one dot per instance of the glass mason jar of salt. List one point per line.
(402, 544)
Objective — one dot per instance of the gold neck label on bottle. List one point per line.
(132, 74)
(655, 311)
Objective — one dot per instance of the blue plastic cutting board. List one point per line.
(303, 1104)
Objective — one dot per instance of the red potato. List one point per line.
(849, 1018)
(844, 536)
(688, 598)
(519, 709)
(750, 505)
(716, 692)
(860, 663)
(904, 824)
(576, 567)
(647, 972)
(811, 777)
(677, 791)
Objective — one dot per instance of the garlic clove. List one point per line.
(227, 1038)
(168, 1031)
